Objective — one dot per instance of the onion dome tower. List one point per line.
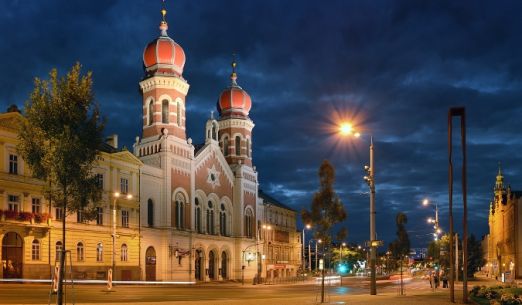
(235, 127)
(163, 87)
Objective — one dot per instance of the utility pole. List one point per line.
(373, 256)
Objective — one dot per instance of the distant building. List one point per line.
(281, 241)
(504, 241)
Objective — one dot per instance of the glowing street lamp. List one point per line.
(308, 227)
(346, 129)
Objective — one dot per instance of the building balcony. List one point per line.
(27, 217)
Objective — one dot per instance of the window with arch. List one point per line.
(248, 147)
(249, 222)
(210, 218)
(150, 213)
(179, 211)
(150, 112)
(80, 254)
(124, 253)
(225, 146)
(197, 221)
(178, 113)
(35, 250)
(238, 145)
(223, 220)
(58, 250)
(165, 111)
(99, 252)
(214, 132)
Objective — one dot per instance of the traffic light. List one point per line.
(342, 268)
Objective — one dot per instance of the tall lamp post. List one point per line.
(303, 243)
(115, 196)
(346, 129)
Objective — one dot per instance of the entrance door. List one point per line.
(211, 265)
(12, 255)
(224, 265)
(150, 264)
(198, 265)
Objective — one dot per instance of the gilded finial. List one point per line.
(233, 76)
(163, 11)
(163, 24)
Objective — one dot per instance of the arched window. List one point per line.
(178, 113)
(248, 147)
(35, 250)
(249, 223)
(210, 218)
(225, 146)
(99, 252)
(151, 112)
(179, 211)
(165, 111)
(238, 145)
(79, 252)
(124, 253)
(214, 132)
(150, 213)
(58, 252)
(198, 217)
(223, 221)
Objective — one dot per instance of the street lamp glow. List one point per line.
(346, 129)
(425, 202)
(430, 220)
(129, 196)
(116, 194)
(308, 226)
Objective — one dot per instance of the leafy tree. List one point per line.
(326, 208)
(475, 255)
(438, 251)
(59, 141)
(400, 246)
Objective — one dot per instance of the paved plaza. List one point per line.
(353, 291)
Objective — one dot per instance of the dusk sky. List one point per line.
(394, 68)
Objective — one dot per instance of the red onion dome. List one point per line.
(234, 101)
(163, 54)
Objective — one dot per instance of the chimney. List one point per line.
(112, 140)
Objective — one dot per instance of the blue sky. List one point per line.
(393, 67)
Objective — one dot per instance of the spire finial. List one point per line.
(233, 76)
(211, 114)
(163, 24)
(499, 169)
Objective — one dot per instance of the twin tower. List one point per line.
(164, 92)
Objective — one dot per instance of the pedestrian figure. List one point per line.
(444, 281)
(436, 280)
(430, 278)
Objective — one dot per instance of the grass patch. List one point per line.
(480, 301)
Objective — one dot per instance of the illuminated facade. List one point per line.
(504, 241)
(31, 230)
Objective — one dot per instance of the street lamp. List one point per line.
(346, 129)
(308, 226)
(435, 220)
(115, 196)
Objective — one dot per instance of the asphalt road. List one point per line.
(39, 293)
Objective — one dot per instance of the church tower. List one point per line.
(163, 87)
(235, 127)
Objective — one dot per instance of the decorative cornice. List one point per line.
(164, 82)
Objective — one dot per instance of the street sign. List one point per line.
(321, 264)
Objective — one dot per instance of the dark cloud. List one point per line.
(395, 67)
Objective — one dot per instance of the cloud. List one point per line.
(395, 66)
